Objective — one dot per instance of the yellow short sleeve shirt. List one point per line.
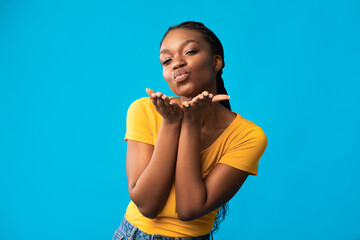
(241, 145)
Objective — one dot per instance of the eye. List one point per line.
(166, 62)
(191, 52)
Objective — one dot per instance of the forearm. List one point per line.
(189, 185)
(152, 188)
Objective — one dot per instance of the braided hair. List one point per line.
(217, 49)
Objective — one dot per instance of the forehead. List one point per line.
(176, 37)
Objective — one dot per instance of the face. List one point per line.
(189, 67)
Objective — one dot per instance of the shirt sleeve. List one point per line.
(138, 122)
(246, 153)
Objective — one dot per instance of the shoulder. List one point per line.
(245, 145)
(143, 109)
(143, 104)
(244, 130)
(140, 121)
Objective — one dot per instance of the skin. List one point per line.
(191, 123)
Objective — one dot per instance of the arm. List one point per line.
(196, 197)
(150, 170)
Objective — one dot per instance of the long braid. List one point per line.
(221, 89)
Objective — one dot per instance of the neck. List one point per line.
(212, 116)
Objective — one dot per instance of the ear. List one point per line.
(218, 63)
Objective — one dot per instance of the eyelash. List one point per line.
(166, 62)
(191, 52)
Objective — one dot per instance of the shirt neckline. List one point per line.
(223, 133)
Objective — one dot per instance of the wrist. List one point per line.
(191, 122)
(171, 123)
(191, 118)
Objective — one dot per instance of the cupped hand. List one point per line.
(194, 109)
(170, 111)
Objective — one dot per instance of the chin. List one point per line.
(189, 88)
(185, 91)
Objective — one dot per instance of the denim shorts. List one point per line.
(127, 231)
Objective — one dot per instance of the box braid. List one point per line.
(217, 49)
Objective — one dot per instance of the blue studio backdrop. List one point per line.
(70, 69)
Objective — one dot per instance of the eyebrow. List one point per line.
(183, 44)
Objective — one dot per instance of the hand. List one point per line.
(194, 109)
(170, 111)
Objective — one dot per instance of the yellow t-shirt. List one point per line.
(241, 145)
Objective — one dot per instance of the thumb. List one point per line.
(149, 91)
(220, 97)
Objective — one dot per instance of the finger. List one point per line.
(220, 97)
(173, 102)
(159, 100)
(156, 96)
(166, 101)
(195, 99)
(195, 102)
(175, 107)
(154, 100)
(203, 98)
(185, 104)
(149, 91)
(208, 98)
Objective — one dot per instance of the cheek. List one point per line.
(166, 74)
(203, 63)
(203, 70)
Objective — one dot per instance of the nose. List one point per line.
(178, 62)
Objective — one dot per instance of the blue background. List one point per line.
(70, 69)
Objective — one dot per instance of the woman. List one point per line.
(187, 156)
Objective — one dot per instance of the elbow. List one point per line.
(187, 215)
(149, 213)
(147, 209)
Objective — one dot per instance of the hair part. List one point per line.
(215, 46)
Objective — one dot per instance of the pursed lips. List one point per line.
(178, 73)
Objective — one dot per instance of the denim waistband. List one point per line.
(135, 233)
